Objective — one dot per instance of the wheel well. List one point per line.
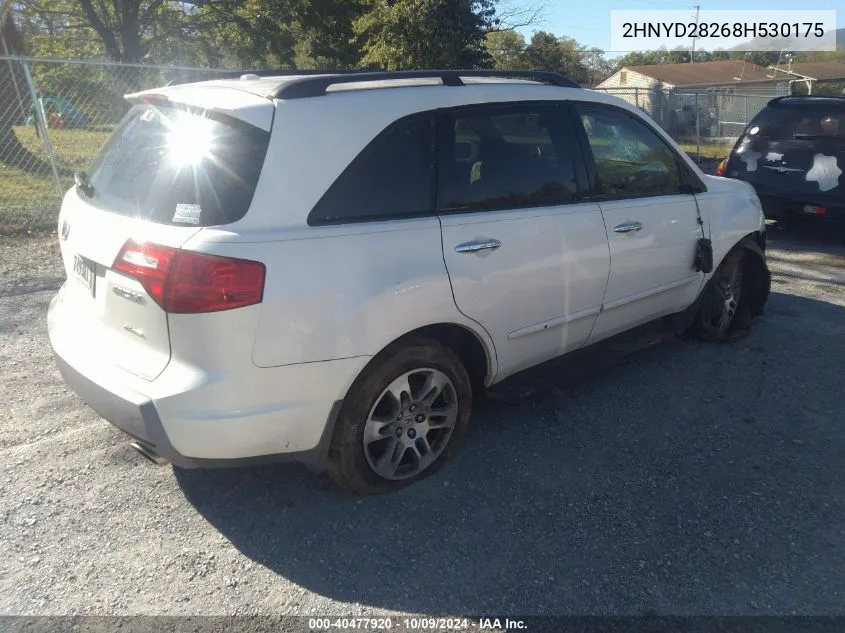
(465, 344)
(754, 266)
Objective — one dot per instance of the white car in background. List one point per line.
(331, 268)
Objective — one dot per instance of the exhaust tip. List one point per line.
(148, 453)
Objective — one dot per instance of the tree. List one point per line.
(14, 99)
(276, 33)
(407, 34)
(57, 28)
(125, 26)
(507, 49)
(544, 52)
(558, 54)
(256, 33)
(325, 32)
(123, 30)
(596, 66)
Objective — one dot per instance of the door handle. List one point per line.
(477, 245)
(627, 227)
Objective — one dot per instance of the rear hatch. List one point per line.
(794, 152)
(167, 171)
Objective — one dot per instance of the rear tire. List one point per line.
(404, 416)
(723, 314)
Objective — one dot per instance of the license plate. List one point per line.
(84, 270)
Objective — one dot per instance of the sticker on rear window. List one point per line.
(774, 157)
(187, 213)
(825, 171)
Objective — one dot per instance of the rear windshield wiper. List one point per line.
(83, 183)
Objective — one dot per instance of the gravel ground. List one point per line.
(681, 479)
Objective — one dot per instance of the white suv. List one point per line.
(332, 268)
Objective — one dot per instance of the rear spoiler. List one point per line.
(812, 100)
(215, 114)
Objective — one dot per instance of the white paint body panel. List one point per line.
(539, 293)
(133, 336)
(214, 403)
(342, 291)
(652, 272)
(731, 210)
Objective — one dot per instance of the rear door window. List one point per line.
(505, 156)
(173, 166)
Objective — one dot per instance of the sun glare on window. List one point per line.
(189, 139)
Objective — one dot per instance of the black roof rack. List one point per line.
(317, 84)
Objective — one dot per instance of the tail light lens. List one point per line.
(183, 282)
(720, 170)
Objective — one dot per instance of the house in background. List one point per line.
(806, 75)
(726, 94)
(703, 76)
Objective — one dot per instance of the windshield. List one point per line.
(787, 123)
(172, 166)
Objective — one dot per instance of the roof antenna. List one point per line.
(742, 72)
(780, 54)
(776, 68)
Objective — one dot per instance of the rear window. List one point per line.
(173, 166)
(779, 124)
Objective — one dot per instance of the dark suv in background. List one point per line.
(793, 153)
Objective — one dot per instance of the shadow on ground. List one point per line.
(685, 478)
(808, 235)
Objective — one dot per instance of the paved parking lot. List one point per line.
(683, 478)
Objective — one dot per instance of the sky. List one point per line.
(588, 21)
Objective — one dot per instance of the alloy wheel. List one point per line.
(410, 424)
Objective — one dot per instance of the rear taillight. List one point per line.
(720, 170)
(149, 264)
(185, 282)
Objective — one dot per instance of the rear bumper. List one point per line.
(781, 208)
(196, 419)
(137, 416)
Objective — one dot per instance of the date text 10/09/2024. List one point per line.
(421, 624)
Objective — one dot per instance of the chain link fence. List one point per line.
(706, 124)
(55, 115)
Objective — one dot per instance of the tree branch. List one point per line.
(144, 18)
(510, 18)
(105, 33)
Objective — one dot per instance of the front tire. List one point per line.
(402, 418)
(722, 313)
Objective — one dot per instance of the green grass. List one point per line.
(708, 150)
(74, 149)
(29, 199)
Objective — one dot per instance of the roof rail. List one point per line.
(316, 85)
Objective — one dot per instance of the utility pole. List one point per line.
(692, 53)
